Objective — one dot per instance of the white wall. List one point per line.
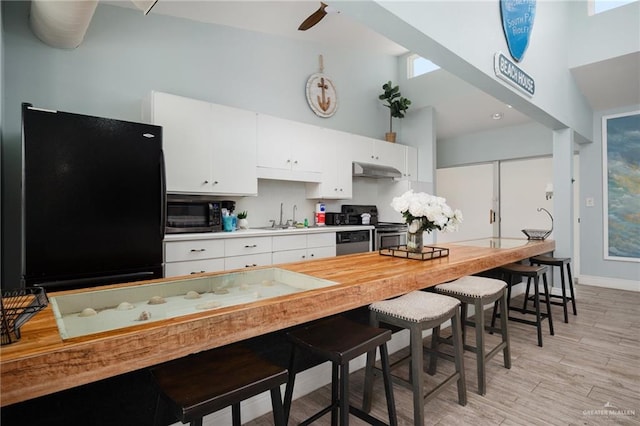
(126, 54)
(604, 35)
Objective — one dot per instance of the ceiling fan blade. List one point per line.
(314, 18)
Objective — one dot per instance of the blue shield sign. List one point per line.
(517, 22)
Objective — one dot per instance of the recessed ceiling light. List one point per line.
(509, 106)
(497, 116)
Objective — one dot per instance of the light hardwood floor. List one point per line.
(587, 374)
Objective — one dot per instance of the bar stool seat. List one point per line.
(418, 311)
(339, 340)
(511, 270)
(203, 383)
(560, 262)
(480, 291)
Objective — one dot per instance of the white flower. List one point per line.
(426, 212)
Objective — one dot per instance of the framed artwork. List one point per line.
(621, 186)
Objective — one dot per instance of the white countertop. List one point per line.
(257, 232)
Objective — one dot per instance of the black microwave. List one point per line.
(193, 213)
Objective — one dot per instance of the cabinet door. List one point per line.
(325, 239)
(287, 256)
(335, 158)
(321, 252)
(390, 154)
(361, 149)
(186, 140)
(289, 242)
(274, 142)
(234, 151)
(411, 164)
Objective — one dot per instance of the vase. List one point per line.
(390, 137)
(414, 242)
(243, 224)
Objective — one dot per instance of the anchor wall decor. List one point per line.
(321, 93)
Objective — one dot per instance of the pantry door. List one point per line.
(472, 190)
(523, 185)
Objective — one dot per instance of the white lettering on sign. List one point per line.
(511, 73)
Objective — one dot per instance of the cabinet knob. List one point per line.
(377, 158)
(288, 160)
(197, 250)
(205, 182)
(303, 256)
(295, 162)
(312, 255)
(215, 182)
(251, 246)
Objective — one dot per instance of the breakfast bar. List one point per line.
(42, 362)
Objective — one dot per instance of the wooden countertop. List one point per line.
(41, 363)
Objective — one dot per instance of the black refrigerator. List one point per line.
(93, 200)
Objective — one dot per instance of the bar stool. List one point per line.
(203, 383)
(559, 262)
(479, 292)
(511, 270)
(418, 311)
(339, 340)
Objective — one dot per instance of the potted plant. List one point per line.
(397, 105)
(243, 223)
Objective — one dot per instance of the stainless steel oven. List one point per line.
(389, 234)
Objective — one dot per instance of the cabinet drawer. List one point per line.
(289, 242)
(248, 261)
(287, 256)
(321, 240)
(175, 269)
(321, 252)
(177, 251)
(250, 245)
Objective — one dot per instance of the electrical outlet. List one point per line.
(589, 202)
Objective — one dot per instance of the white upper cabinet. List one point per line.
(208, 148)
(287, 150)
(375, 151)
(234, 154)
(333, 156)
(411, 168)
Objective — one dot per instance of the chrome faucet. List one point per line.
(280, 224)
(294, 214)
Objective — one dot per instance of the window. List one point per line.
(598, 6)
(417, 65)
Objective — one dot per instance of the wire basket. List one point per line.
(16, 308)
(539, 234)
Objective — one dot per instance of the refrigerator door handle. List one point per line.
(163, 195)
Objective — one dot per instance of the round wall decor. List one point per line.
(321, 95)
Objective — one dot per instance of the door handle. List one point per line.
(492, 216)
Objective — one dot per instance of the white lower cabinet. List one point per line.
(193, 257)
(295, 248)
(221, 254)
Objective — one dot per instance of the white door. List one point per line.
(522, 193)
(470, 189)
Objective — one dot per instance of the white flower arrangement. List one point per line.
(425, 212)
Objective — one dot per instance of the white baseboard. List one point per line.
(617, 283)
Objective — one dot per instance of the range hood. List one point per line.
(375, 171)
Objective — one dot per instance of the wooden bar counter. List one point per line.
(41, 363)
